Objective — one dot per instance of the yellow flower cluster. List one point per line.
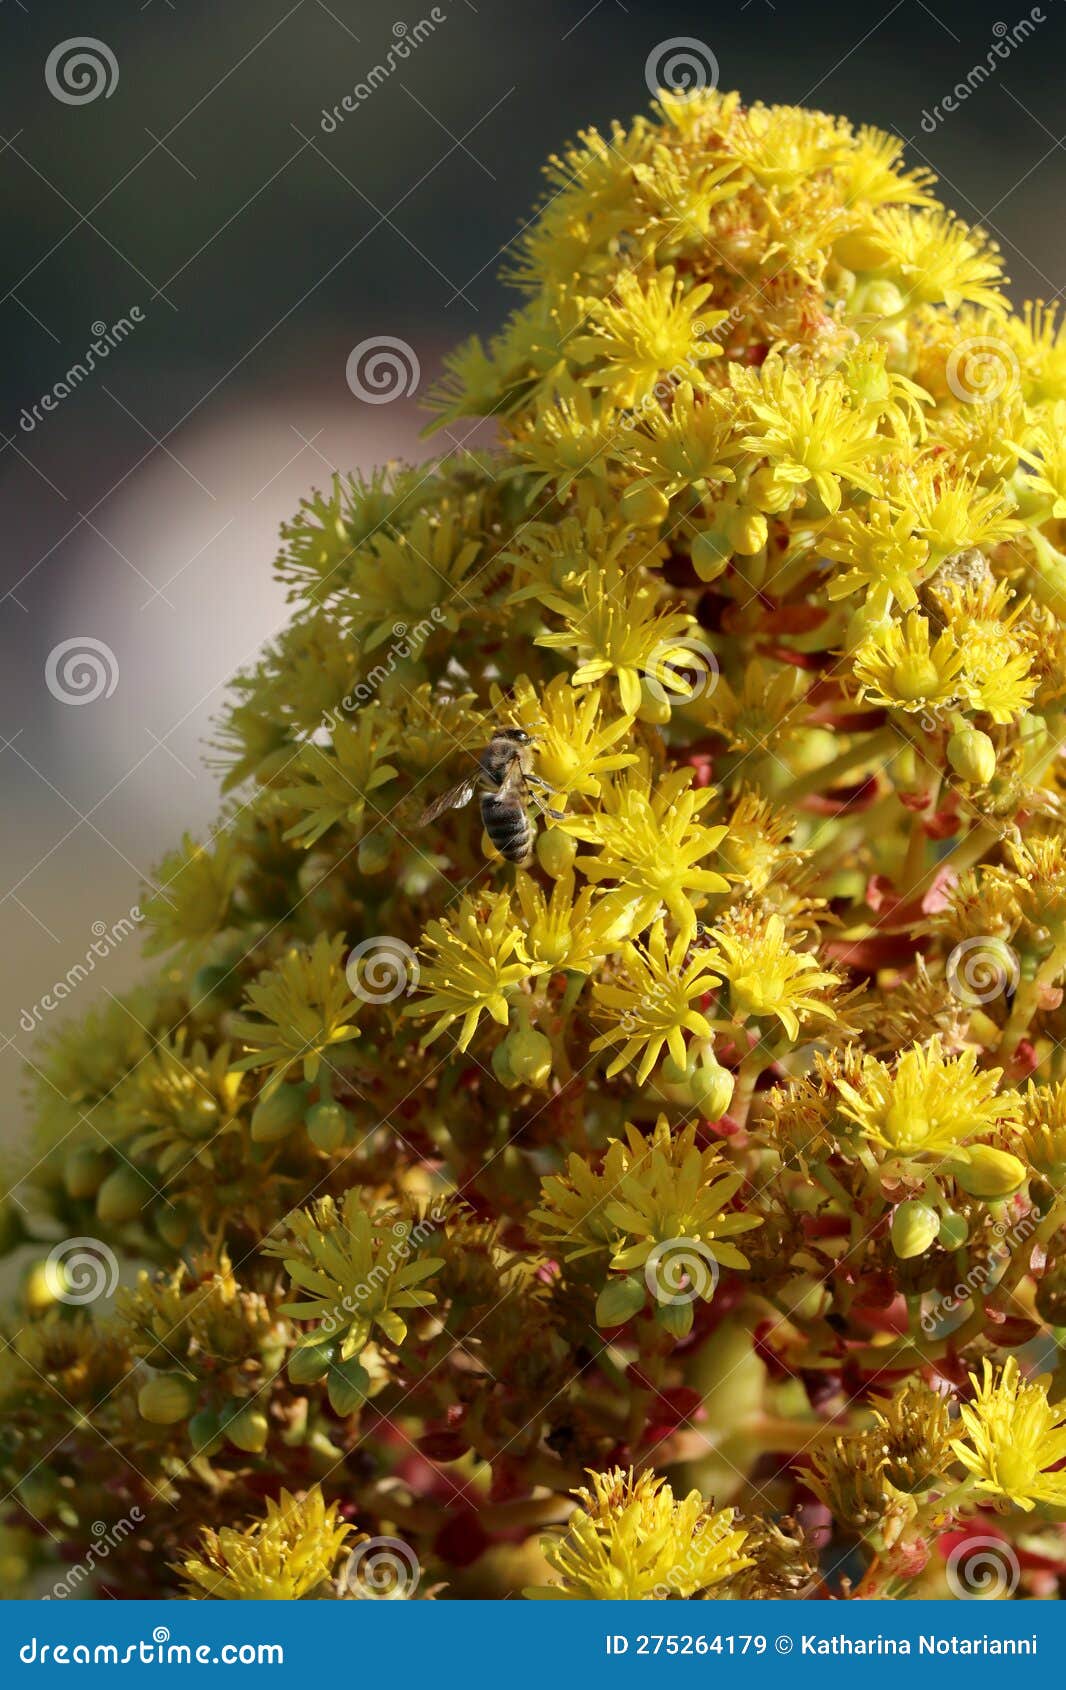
(648, 838)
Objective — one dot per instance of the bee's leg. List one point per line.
(545, 809)
(542, 785)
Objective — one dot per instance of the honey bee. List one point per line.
(504, 776)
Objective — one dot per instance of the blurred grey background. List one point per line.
(258, 249)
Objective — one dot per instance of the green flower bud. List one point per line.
(654, 707)
(41, 1287)
(311, 1362)
(530, 1055)
(173, 1223)
(644, 505)
(167, 1398)
(914, 1226)
(374, 851)
(275, 1117)
(208, 983)
(710, 552)
(84, 1171)
(556, 851)
(247, 1429)
(810, 749)
(986, 1172)
(501, 1066)
(954, 1229)
(748, 532)
(205, 1433)
(711, 1087)
(328, 1125)
(122, 1196)
(972, 755)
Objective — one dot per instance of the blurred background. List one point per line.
(178, 193)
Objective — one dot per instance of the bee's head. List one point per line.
(515, 736)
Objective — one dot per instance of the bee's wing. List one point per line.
(454, 799)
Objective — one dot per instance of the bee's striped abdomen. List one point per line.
(508, 826)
